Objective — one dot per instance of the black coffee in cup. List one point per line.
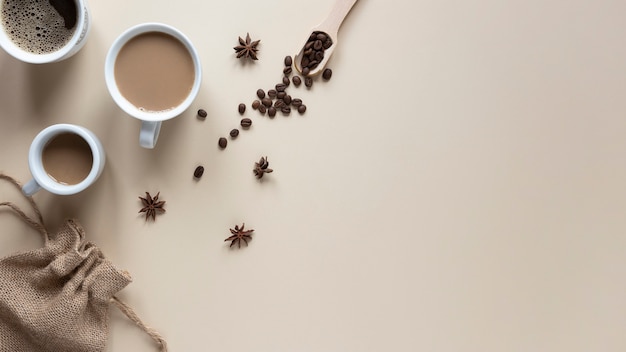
(39, 26)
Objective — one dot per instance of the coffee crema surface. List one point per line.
(67, 158)
(39, 26)
(154, 71)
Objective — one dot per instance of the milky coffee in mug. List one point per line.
(67, 158)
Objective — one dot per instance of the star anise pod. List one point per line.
(262, 167)
(248, 48)
(238, 235)
(152, 205)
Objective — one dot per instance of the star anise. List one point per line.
(239, 234)
(262, 167)
(248, 48)
(151, 205)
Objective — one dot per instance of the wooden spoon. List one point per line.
(330, 26)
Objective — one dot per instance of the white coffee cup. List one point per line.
(151, 120)
(76, 42)
(41, 178)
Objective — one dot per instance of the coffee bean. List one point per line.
(313, 36)
(308, 81)
(327, 74)
(319, 56)
(318, 45)
(279, 104)
(296, 102)
(304, 62)
(305, 72)
(222, 142)
(246, 122)
(287, 99)
(271, 112)
(313, 64)
(288, 61)
(234, 133)
(286, 81)
(280, 95)
(302, 109)
(327, 43)
(198, 172)
(287, 71)
(242, 108)
(296, 80)
(267, 102)
(320, 36)
(286, 110)
(280, 87)
(255, 104)
(308, 52)
(260, 93)
(262, 109)
(271, 93)
(202, 113)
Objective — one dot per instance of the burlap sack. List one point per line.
(56, 298)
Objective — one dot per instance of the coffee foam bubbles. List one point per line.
(35, 25)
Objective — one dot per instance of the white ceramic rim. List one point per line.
(35, 161)
(109, 72)
(82, 25)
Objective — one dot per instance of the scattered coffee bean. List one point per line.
(260, 93)
(272, 93)
(280, 87)
(222, 142)
(279, 104)
(262, 109)
(288, 61)
(246, 122)
(280, 95)
(287, 99)
(271, 111)
(255, 104)
(287, 71)
(197, 173)
(286, 81)
(305, 71)
(234, 133)
(242, 108)
(327, 74)
(296, 80)
(286, 110)
(296, 102)
(267, 102)
(202, 113)
(302, 109)
(308, 81)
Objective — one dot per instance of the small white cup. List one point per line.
(78, 40)
(151, 120)
(41, 179)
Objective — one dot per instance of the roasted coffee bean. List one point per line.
(262, 109)
(318, 45)
(287, 99)
(286, 110)
(271, 93)
(313, 64)
(271, 111)
(308, 81)
(260, 93)
(319, 56)
(311, 57)
(242, 108)
(246, 122)
(321, 36)
(327, 43)
(197, 173)
(287, 71)
(286, 81)
(302, 109)
(202, 113)
(304, 62)
(288, 60)
(280, 95)
(305, 72)
(222, 142)
(296, 80)
(296, 102)
(280, 87)
(267, 102)
(234, 133)
(313, 36)
(327, 74)
(279, 104)
(256, 104)
(308, 52)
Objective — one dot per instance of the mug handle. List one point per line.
(31, 187)
(149, 133)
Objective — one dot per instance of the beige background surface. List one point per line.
(459, 184)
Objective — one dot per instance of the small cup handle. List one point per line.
(149, 133)
(31, 188)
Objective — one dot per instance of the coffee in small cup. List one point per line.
(67, 158)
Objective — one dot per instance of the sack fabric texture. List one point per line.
(56, 298)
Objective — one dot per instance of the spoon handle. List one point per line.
(339, 11)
